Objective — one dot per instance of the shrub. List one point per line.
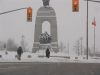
(0, 56)
(29, 56)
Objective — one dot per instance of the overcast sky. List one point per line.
(71, 25)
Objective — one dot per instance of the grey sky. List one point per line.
(71, 26)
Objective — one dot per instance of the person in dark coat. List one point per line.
(19, 52)
(47, 53)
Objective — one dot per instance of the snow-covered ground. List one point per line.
(40, 57)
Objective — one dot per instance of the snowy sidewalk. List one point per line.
(30, 57)
(40, 57)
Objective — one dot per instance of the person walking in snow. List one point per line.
(19, 52)
(47, 53)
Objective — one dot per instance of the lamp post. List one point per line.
(81, 46)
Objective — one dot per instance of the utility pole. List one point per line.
(87, 32)
(87, 26)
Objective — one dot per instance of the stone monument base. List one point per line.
(52, 46)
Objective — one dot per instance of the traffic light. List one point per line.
(29, 14)
(75, 5)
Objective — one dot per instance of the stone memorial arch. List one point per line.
(45, 13)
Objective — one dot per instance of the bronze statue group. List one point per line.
(45, 38)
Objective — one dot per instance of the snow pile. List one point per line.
(40, 57)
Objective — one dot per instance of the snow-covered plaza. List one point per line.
(40, 57)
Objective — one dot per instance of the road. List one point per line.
(49, 69)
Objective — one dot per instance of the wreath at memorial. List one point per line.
(45, 38)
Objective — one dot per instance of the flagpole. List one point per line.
(94, 40)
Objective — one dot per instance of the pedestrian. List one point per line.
(19, 52)
(47, 53)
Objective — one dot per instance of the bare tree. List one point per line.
(24, 44)
(77, 47)
(11, 45)
(2, 43)
(62, 47)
